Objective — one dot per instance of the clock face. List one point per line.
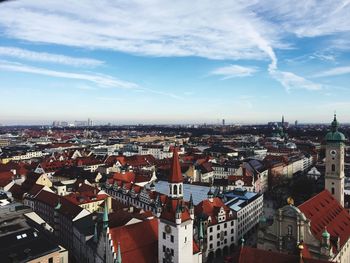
(168, 229)
(333, 152)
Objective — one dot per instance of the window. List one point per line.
(210, 229)
(172, 252)
(164, 235)
(50, 260)
(163, 248)
(210, 238)
(231, 223)
(332, 190)
(218, 227)
(211, 246)
(232, 231)
(185, 239)
(218, 235)
(172, 238)
(225, 225)
(175, 189)
(180, 189)
(218, 243)
(333, 167)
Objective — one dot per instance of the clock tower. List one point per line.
(175, 228)
(334, 177)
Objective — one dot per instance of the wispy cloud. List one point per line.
(291, 81)
(100, 80)
(226, 30)
(333, 72)
(233, 71)
(24, 54)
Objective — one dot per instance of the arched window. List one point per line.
(175, 190)
(333, 167)
(170, 188)
(332, 190)
(290, 230)
(180, 189)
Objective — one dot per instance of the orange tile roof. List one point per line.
(249, 255)
(136, 247)
(323, 210)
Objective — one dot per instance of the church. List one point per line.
(321, 224)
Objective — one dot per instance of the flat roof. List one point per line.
(199, 193)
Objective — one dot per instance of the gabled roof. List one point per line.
(211, 209)
(67, 208)
(176, 174)
(248, 255)
(323, 210)
(138, 242)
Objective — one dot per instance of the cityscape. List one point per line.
(174, 132)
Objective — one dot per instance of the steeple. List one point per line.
(175, 177)
(335, 123)
(119, 254)
(105, 216)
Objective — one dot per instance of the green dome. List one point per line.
(325, 234)
(334, 135)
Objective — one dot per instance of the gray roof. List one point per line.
(199, 193)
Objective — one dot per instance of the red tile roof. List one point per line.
(211, 209)
(253, 255)
(169, 210)
(5, 178)
(136, 247)
(67, 208)
(323, 210)
(126, 177)
(176, 175)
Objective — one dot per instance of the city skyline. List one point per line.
(132, 62)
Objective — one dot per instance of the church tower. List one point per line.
(175, 228)
(334, 178)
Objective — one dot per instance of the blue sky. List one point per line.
(167, 62)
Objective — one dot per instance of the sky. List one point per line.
(181, 61)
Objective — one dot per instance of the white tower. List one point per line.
(175, 229)
(334, 178)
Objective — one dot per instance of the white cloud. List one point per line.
(20, 53)
(226, 30)
(292, 81)
(233, 71)
(333, 72)
(101, 80)
(308, 18)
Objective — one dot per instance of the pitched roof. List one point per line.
(136, 247)
(5, 178)
(176, 175)
(248, 255)
(67, 208)
(211, 208)
(323, 210)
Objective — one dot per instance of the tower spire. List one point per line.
(175, 173)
